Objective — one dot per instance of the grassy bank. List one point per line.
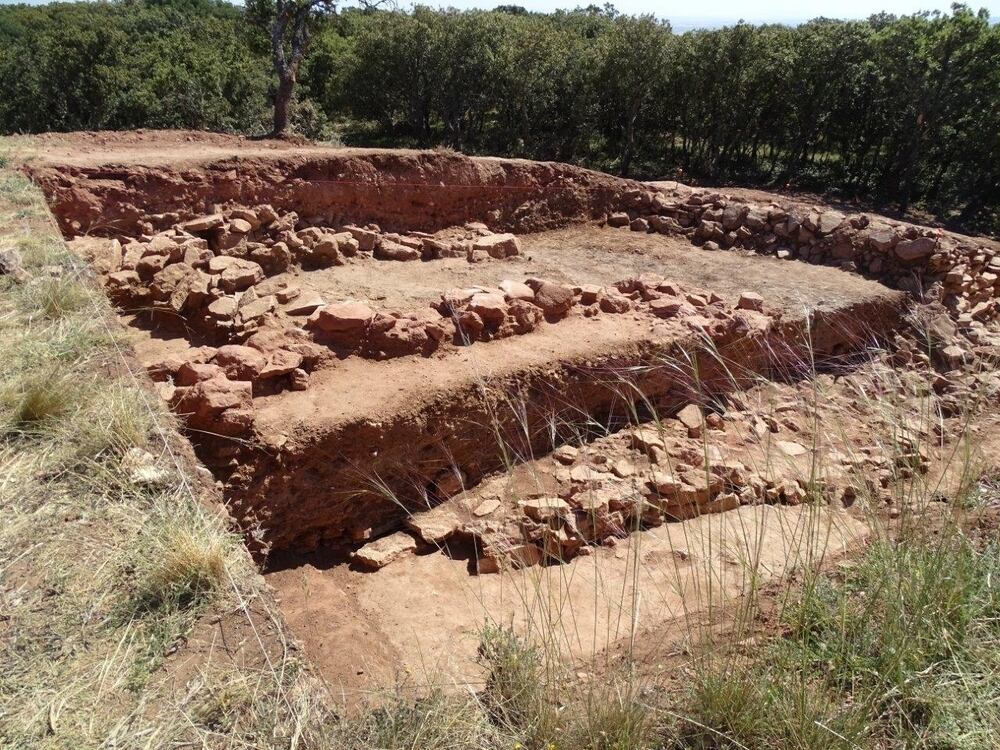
(112, 554)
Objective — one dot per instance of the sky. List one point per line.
(685, 14)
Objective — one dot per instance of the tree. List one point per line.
(391, 76)
(82, 66)
(901, 111)
(289, 25)
(634, 55)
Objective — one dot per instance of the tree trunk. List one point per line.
(909, 173)
(629, 146)
(282, 104)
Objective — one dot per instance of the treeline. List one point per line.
(98, 65)
(902, 111)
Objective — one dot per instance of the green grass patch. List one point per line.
(17, 190)
(900, 652)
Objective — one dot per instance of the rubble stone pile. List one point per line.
(214, 272)
(702, 461)
(213, 387)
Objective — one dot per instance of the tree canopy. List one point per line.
(901, 111)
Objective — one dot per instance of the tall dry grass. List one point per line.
(890, 647)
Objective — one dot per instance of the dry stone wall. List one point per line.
(430, 191)
(961, 272)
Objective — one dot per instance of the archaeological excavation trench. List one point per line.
(399, 361)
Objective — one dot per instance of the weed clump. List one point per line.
(435, 721)
(38, 251)
(15, 189)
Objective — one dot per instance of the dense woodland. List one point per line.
(903, 112)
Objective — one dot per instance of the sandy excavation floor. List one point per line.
(418, 621)
(589, 255)
(438, 391)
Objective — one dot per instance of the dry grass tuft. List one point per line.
(15, 189)
(436, 721)
(38, 251)
(36, 400)
(115, 420)
(181, 563)
(106, 570)
(615, 716)
(57, 298)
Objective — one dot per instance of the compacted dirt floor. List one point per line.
(418, 621)
(589, 255)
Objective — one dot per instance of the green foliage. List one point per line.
(83, 66)
(901, 111)
(633, 58)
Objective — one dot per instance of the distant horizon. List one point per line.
(729, 12)
(723, 12)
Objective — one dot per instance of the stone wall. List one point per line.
(961, 272)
